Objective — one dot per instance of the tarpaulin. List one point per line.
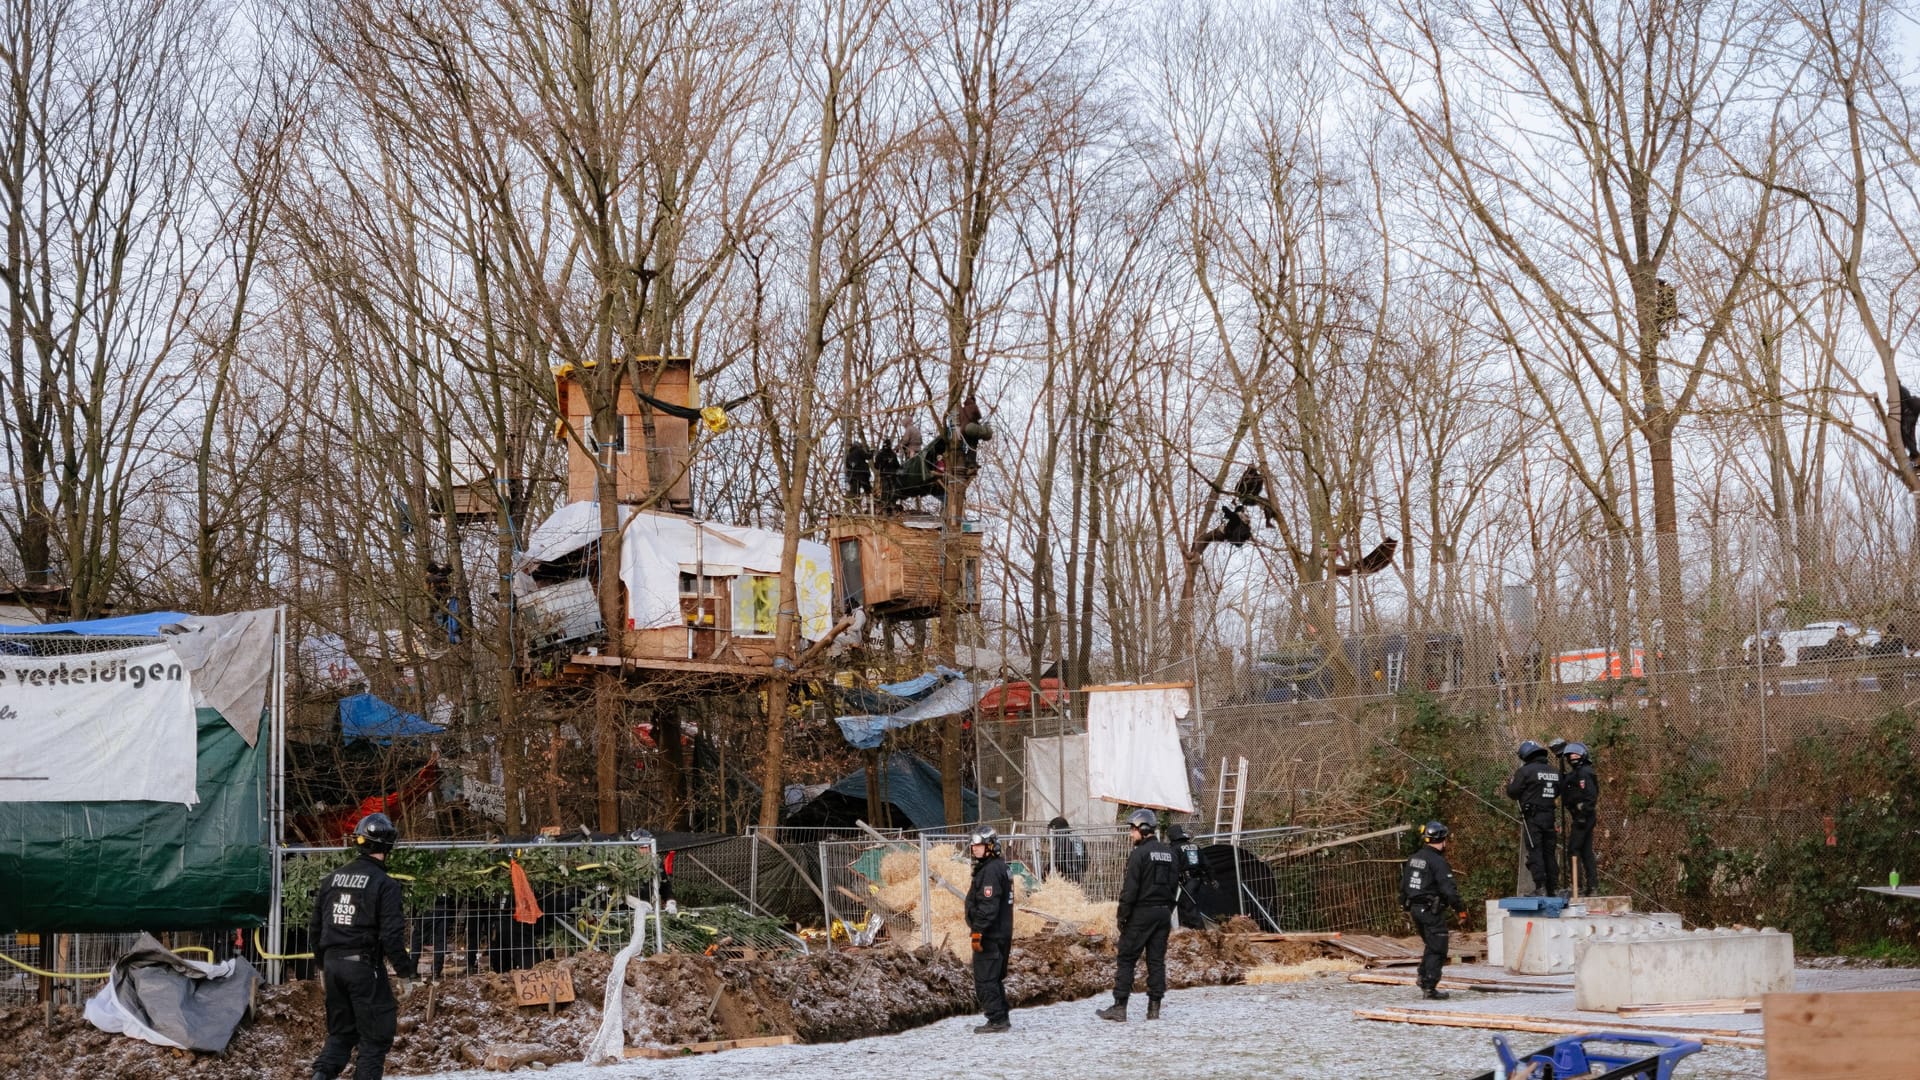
(1133, 746)
(157, 996)
(114, 867)
(1057, 786)
(147, 625)
(74, 727)
(230, 660)
(363, 716)
(867, 732)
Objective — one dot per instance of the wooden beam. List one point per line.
(1310, 849)
(713, 1047)
(1750, 1040)
(696, 667)
(1857, 1034)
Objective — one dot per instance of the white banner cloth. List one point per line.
(1048, 777)
(1133, 746)
(97, 727)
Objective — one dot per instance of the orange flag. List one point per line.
(526, 909)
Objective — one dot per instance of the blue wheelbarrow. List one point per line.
(1622, 1056)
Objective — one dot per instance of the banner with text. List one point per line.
(92, 728)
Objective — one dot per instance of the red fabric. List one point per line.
(667, 865)
(526, 908)
(1016, 698)
(330, 827)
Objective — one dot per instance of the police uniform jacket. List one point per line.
(1581, 791)
(1150, 880)
(1536, 784)
(990, 899)
(358, 912)
(1426, 882)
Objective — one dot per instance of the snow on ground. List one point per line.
(1302, 1031)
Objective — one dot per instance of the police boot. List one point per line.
(993, 1027)
(1115, 1011)
(1434, 993)
(1153, 1010)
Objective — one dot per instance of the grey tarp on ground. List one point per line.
(160, 997)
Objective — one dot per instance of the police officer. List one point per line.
(1427, 892)
(1192, 871)
(1146, 916)
(1580, 794)
(1536, 786)
(990, 917)
(357, 927)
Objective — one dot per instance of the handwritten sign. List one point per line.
(540, 987)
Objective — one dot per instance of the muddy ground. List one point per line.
(827, 997)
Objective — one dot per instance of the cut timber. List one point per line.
(713, 1047)
(1498, 1022)
(585, 664)
(1710, 1007)
(1459, 982)
(1862, 1034)
(1255, 939)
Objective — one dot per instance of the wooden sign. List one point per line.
(551, 986)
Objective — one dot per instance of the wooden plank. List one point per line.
(1494, 1022)
(1457, 982)
(714, 1047)
(1710, 1007)
(1257, 938)
(1858, 1034)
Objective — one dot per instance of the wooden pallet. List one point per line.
(1377, 951)
(714, 1047)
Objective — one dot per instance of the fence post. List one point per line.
(659, 919)
(926, 895)
(753, 868)
(826, 894)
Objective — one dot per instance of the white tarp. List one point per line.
(656, 546)
(1133, 746)
(230, 659)
(114, 725)
(1046, 773)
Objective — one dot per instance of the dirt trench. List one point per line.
(674, 999)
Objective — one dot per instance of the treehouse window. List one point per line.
(619, 436)
(756, 604)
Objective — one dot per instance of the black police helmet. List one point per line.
(375, 833)
(1528, 749)
(1434, 831)
(1178, 834)
(1144, 820)
(986, 836)
(1576, 750)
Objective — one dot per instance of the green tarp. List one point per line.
(110, 867)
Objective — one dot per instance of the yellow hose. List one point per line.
(265, 955)
(196, 948)
(31, 970)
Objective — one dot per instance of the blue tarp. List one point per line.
(364, 716)
(147, 625)
(892, 697)
(913, 787)
(866, 732)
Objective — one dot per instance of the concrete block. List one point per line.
(1548, 947)
(1656, 968)
(1496, 919)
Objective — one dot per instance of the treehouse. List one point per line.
(697, 596)
(672, 401)
(893, 565)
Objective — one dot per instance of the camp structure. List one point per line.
(699, 595)
(145, 793)
(909, 793)
(634, 456)
(893, 566)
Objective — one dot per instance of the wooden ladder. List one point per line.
(1232, 792)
